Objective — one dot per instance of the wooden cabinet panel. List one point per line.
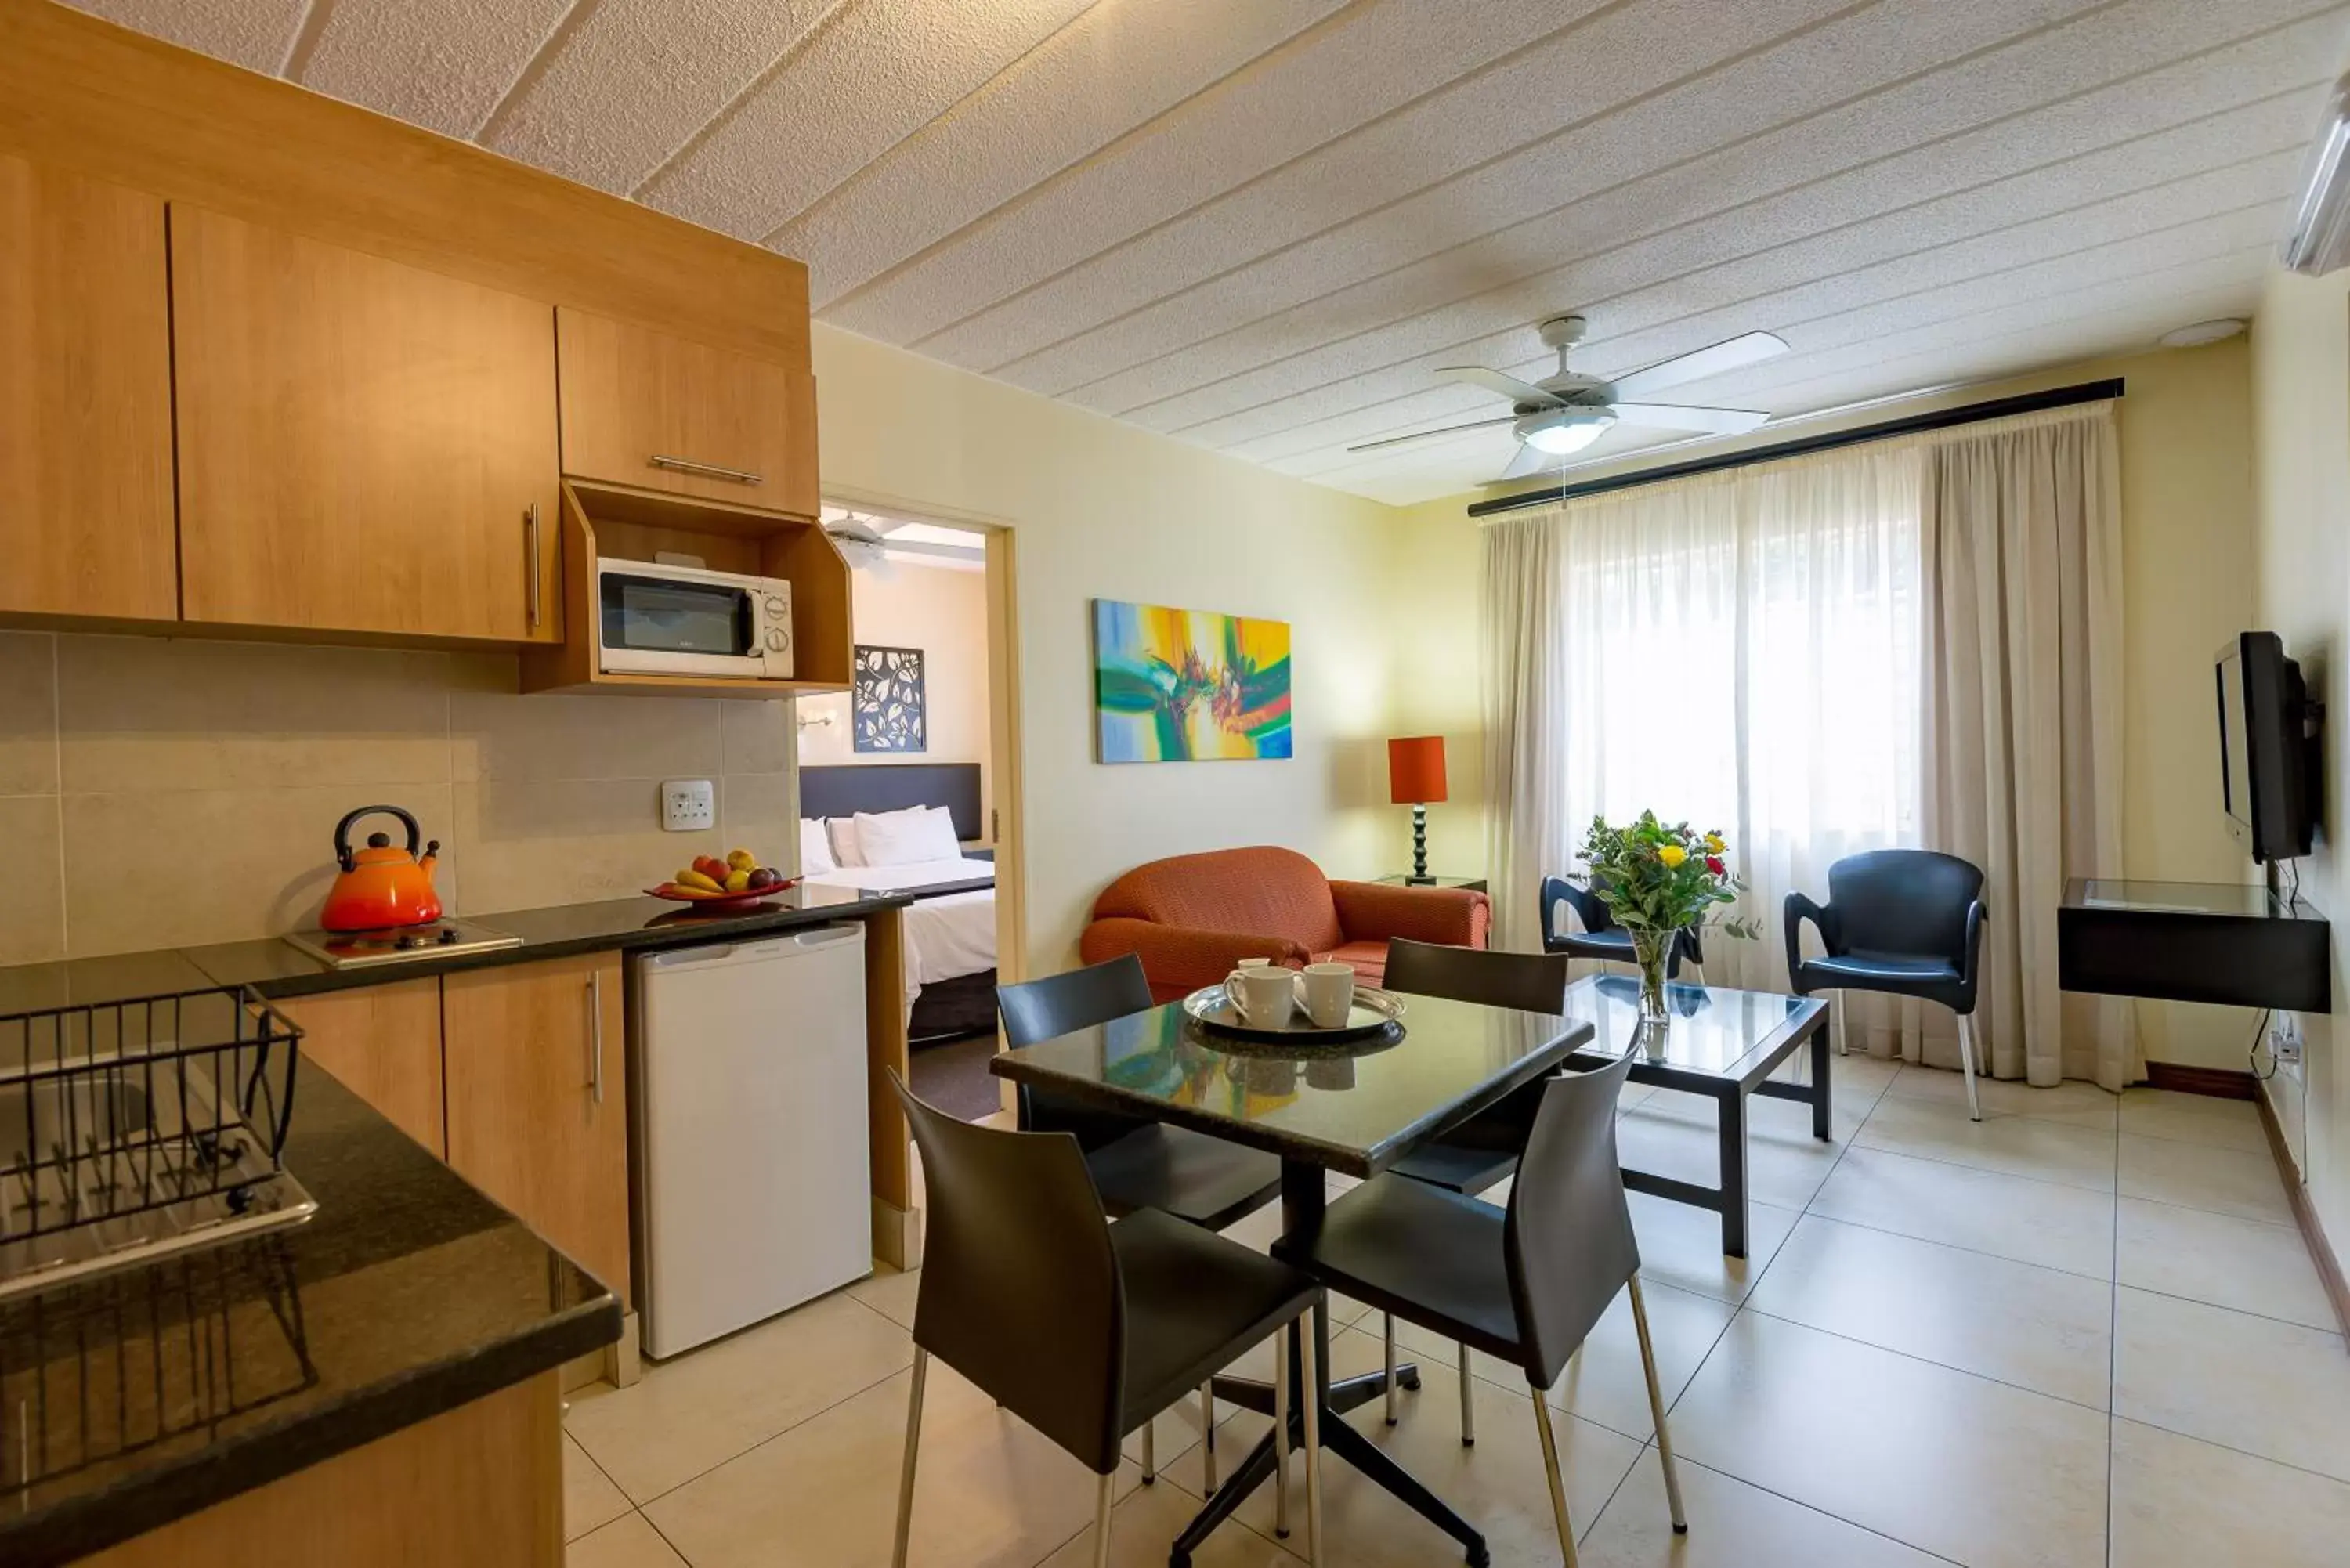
(537, 1101)
(361, 443)
(85, 398)
(383, 1044)
(644, 408)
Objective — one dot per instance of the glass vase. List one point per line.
(1652, 949)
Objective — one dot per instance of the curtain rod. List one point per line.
(1940, 418)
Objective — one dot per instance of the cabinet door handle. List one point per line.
(596, 1036)
(706, 470)
(530, 541)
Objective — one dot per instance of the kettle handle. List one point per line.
(343, 856)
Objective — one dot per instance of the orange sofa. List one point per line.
(1191, 918)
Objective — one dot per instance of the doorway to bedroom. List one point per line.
(899, 777)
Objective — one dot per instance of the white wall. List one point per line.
(1104, 509)
(943, 611)
(2301, 401)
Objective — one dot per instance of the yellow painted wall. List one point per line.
(2186, 516)
(1104, 509)
(2301, 401)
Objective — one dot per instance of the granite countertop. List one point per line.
(132, 1399)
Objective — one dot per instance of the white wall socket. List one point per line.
(2284, 1039)
(688, 806)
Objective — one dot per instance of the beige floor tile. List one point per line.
(2194, 1119)
(703, 1408)
(1968, 1469)
(1731, 1525)
(629, 1542)
(1782, 1171)
(2221, 1259)
(2037, 1328)
(2014, 1146)
(1151, 1517)
(2198, 1176)
(2264, 1388)
(1605, 1382)
(589, 1497)
(1498, 1486)
(1858, 1078)
(1258, 1232)
(2047, 1223)
(2071, 1103)
(890, 1291)
(2180, 1503)
(990, 1493)
(1680, 1245)
(1780, 1120)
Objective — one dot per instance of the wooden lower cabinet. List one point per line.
(383, 1044)
(535, 1085)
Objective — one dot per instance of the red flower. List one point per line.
(1713, 863)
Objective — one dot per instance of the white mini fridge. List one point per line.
(752, 1178)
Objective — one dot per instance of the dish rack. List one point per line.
(135, 1129)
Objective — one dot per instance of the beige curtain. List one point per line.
(1522, 682)
(2023, 717)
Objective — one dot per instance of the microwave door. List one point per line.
(669, 625)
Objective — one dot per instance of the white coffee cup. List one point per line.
(1263, 996)
(1327, 992)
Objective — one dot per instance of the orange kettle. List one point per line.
(380, 886)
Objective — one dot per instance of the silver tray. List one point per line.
(1376, 1013)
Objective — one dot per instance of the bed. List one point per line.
(950, 929)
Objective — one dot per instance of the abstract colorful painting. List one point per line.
(1174, 685)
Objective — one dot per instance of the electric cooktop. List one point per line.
(401, 944)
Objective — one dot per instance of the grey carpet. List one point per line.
(954, 1077)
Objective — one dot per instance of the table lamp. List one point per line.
(1415, 779)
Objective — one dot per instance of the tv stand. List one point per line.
(2237, 944)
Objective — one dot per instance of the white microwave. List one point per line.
(656, 620)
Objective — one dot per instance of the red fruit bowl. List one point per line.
(721, 903)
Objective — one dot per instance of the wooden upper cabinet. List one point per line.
(537, 1103)
(85, 398)
(364, 446)
(646, 408)
(383, 1044)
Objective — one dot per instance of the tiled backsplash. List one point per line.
(159, 793)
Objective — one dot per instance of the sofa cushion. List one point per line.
(1367, 959)
(1278, 892)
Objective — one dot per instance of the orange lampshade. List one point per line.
(1416, 769)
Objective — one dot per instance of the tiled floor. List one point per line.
(2082, 1333)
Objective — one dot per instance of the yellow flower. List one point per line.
(1672, 854)
(1715, 844)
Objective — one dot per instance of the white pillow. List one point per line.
(908, 838)
(842, 831)
(816, 849)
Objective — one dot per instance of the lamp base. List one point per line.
(1419, 877)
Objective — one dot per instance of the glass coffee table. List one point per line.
(1723, 1043)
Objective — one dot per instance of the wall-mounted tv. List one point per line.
(2269, 751)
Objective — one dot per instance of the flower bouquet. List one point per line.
(1658, 880)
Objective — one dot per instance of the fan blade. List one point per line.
(1727, 354)
(1510, 387)
(1531, 460)
(1426, 435)
(1676, 417)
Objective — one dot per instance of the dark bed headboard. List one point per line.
(893, 787)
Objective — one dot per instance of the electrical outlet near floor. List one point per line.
(688, 806)
(2284, 1039)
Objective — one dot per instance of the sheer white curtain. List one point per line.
(1739, 649)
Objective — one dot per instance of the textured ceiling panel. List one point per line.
(439, 64)
(1260, 226)
(624, 84)
(854, 90)
(1118, 65)
(256, 34)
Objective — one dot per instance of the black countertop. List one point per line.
(136, 1398)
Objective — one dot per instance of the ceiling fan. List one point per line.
(1563, 413)
(862, 546)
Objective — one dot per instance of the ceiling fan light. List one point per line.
(1569, 431)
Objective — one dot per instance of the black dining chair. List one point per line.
(1601, 938)
(1135, 1164)
(1903, 922)
(1478, 1154)
(1084, 1327)
(1526, 1283)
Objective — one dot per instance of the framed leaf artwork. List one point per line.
(885, 701)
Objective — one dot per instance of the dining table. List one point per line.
(1349, 1107)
